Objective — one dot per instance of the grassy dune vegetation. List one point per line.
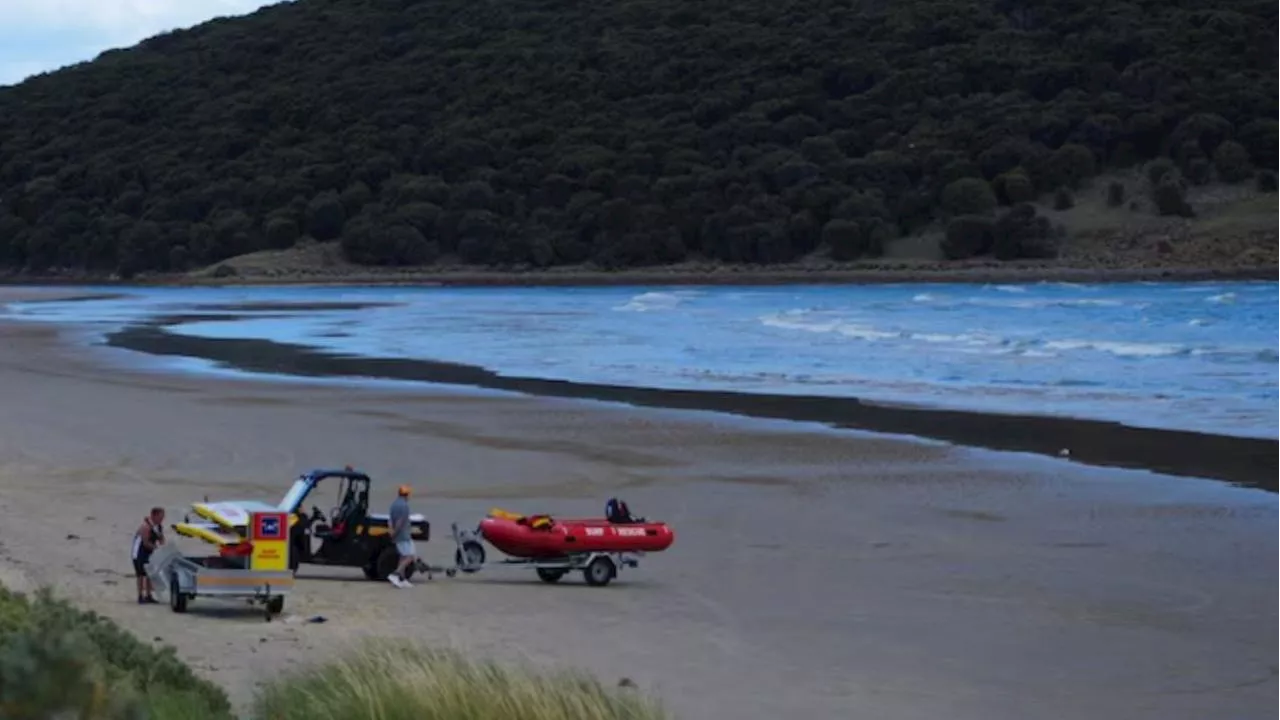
(59, 662)
(631, 133)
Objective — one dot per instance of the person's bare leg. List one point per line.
(405, 562)
(397, 577)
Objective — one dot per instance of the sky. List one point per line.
(42, 35)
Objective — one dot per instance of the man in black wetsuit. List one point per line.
(148, 537)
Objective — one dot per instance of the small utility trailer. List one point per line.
(255, 571)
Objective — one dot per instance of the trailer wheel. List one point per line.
(177, 599)
(469, 557)
(275, 606)
(599, 572)
(550, 575)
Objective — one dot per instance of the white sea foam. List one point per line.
(648, 301)
(1121, 349)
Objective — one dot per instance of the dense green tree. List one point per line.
(967, 236)
(625, 132)
(968, 196)
(1231, 160)
(1021, 233)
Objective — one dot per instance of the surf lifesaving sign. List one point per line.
(269, 534)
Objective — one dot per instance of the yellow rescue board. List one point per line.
(217, 518)
(207, 513)
(206, 534)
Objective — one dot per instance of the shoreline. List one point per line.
(676, 275)
(1242, 461)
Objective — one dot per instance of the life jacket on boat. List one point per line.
(537, 522)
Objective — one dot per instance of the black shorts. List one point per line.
(140, 565)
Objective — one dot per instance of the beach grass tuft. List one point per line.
(403, 681)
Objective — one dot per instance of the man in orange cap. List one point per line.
(402, 536)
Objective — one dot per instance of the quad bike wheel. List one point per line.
(386, 564)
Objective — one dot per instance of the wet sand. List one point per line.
(1241, 460)
(816, 573)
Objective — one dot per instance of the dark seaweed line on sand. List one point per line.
(1250, 462)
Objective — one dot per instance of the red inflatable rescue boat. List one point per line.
(543, 536)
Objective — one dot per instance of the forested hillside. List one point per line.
(624, 132)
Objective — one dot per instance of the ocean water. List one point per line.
(1196, 356)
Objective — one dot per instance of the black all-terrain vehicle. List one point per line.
(348, 535)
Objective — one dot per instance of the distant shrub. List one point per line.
(861, 205)
(1015, 187)
(1199, 171)
(1073, 163)
(409, 247)
(179, 258)
(968, 236)
(423, 216)
(355, 197)
(1231, 160)
(1266, 181)
(281, 232)
(406, 682)
(1158, 168)
(325, 216)
(1260, 138)
(968, 196)
(1170, 196)
(1063, 199)
(1204, 130)
(1115, 193)
(852, 239)
(1021, 233)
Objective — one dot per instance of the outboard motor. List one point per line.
(616, 511)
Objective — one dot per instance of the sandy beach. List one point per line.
(816, 573)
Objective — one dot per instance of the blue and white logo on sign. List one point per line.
(270, 526)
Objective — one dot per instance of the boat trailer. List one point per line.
(598, 568)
